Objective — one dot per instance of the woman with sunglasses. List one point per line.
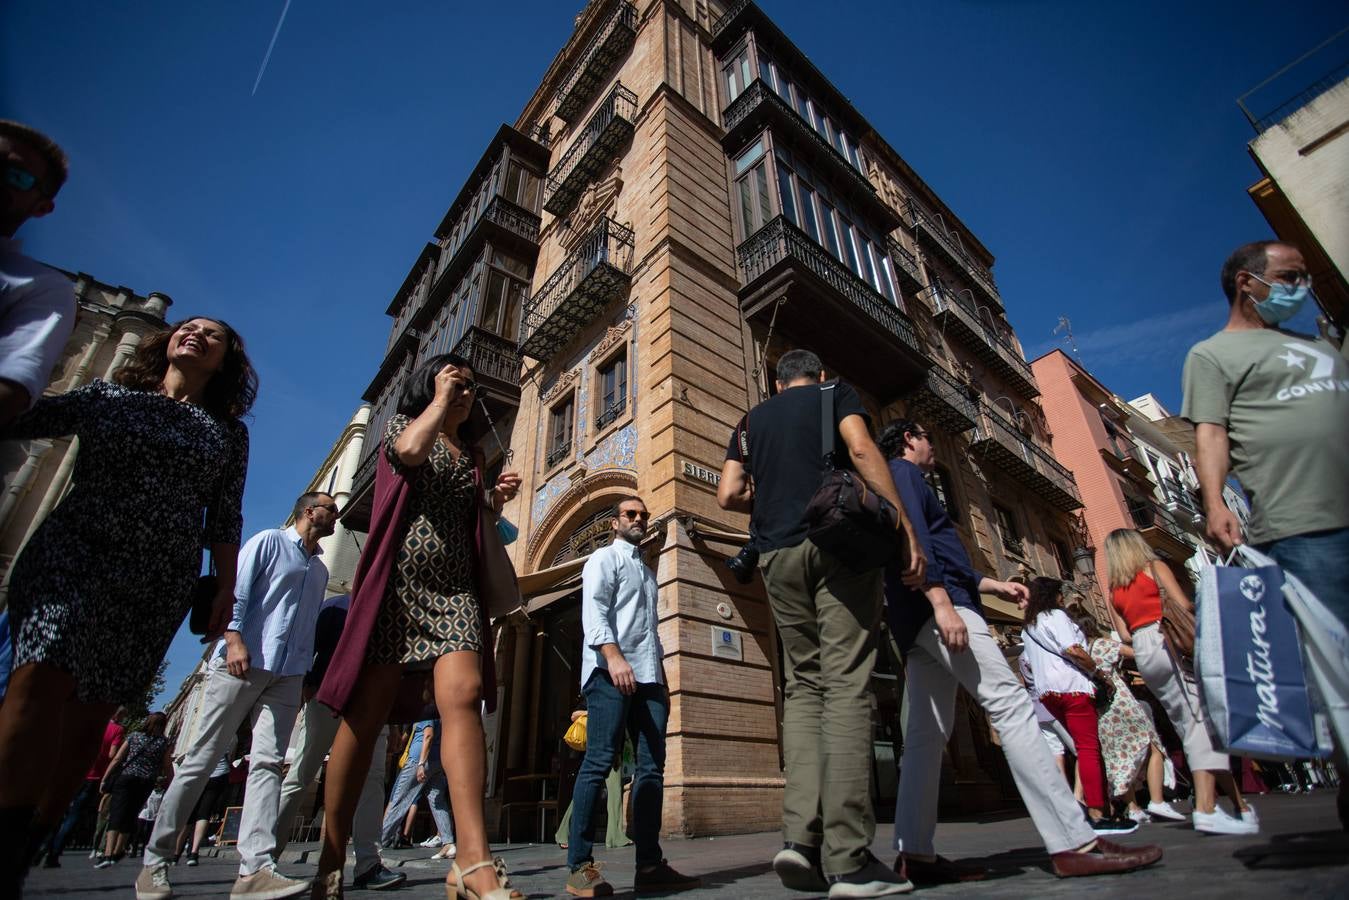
(417, 610)
(99, 591)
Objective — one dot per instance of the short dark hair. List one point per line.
(797, 364)
(630, 498)
(58, 166)
(1252, 257)
(891, 440)
(304, 501)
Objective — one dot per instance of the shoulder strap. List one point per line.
(827, 422)
(1026, 630)
(1152, 573)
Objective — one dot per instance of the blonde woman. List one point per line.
(1137, 579)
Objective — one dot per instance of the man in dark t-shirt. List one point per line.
(827, 617)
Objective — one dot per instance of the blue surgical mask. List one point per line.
(1283, 301)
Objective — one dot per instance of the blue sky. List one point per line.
(1096, 149)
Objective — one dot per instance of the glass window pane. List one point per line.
(808, 211)
(768, 71)
(845, 233)
(761, 188)
(732, 88)
(747, 223)
(492, 302)
(802, 103)
(828, 130)
(745, 76)
(749, 157)
(827, 223)
(865, 250)
(785, 192)
(888, 280)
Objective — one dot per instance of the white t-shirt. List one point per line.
(1054, 675)
(37, 315)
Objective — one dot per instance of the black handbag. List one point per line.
(845, 517)
(203, 599)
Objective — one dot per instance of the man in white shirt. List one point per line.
(623, 679)
(256, 672)
(37, 304)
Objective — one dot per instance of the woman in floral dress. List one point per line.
(1129, 740)
(99, 591)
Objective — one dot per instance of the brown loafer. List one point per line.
(1107, 858)
(939, 871)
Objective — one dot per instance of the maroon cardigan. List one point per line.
(388, 528)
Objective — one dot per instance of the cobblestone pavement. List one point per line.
(1301, 853)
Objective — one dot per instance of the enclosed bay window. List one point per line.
(560, 422)
(612, 393)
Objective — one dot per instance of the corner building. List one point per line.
(683, 199)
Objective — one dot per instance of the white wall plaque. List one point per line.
(728, 644)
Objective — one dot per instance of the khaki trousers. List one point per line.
(828, 617)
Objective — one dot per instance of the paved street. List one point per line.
(1302, 853)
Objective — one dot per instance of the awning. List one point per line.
(1003, 610)
(548, 579)
(541, 601)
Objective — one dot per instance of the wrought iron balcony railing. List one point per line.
(907, 269)
(494, 359)
(502, 218)
(592, 276)
(610, 42)
(999, 440)
(610, 414)
(943, 401)
(1148, 516)
(557, 454)
(928, 225)
(732, 13)
(759, 105)
(958, 317)
(595, 147)
(780, 240)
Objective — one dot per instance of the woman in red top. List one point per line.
(1136, 585)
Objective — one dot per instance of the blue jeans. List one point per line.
(609, 715)
(1320, 560)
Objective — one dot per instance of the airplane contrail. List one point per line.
(268, 55)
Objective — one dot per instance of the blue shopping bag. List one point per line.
(1248, 661)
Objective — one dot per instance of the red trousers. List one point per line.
(1078, 715)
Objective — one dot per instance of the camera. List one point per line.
(743, 564)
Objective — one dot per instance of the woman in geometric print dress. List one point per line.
(1129, 740)
(430, 618)
(99, 591)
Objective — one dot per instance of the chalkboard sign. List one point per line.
(229, 827)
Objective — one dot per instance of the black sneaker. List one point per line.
(660, 877)
(875, 879)
(798, 867)
(1113, 825)
(193, 859)
(378, 878)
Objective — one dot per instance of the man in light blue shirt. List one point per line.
(623, 679)
(257, 672)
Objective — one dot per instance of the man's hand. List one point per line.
(915, 573)
(236, 654)
(421, 772)
(620, 672)
(222, 610)
(1014, 591)
(954, 634)
(1223, 527)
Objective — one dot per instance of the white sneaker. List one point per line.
(1250, 816)
(432, 841)
(267, 884)
(1219, 822)
(1163, 810)
(1139, 816)
(153, 883)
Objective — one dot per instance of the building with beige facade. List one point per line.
(110, 322)
(684, 198)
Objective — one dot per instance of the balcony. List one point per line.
(1126, 459)
(792, 282)
(907, 270)
(502, 222)
(361, 501)
(956, 316)
(758, 107)
(933, 233)
(1181, 501)
(998, 441)
(610, 414)
(592, 151)
(613, 39)
(1161, 530)
(594, 275)
(496, 366)
(944, 402)
(557, 454)
(722, 32)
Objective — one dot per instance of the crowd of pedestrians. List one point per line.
(91, 619)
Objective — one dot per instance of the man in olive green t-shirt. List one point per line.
(1273, 406)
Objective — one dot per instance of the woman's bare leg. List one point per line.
(463, 753)
(1205, 795)
(32, 714)
(349, 759)
(1228, 785)
(1156, 776)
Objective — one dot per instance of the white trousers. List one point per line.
(318, 728)
(272, 702)
(1179, 697)
(931, 675)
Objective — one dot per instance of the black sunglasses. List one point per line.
(634, 514)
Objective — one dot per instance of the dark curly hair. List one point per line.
(230, 392)
(1044, 596)
(891, 440)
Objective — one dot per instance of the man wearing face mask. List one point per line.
(1273, 407)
